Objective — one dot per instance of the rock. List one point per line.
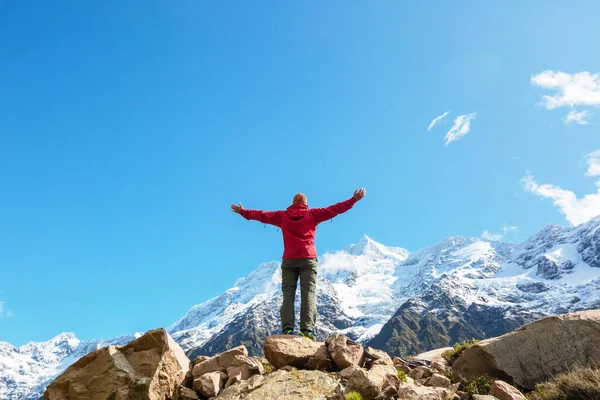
(504, 391)
(387, 393)
(282, 350)
(254, 364)
(199, 359)
(404, 369)
(370, 383)
(188, 381)
(433, 355)
(483, 397)
(347, 372)
(379, 357)
(185, 393)
(438, 381)
(412, 391)
(440, 365)
(150, 368)
(345, 353)
(463, 395)
(321, 360)
(219, 362)
(282, 385)
(537, 351)
(237, 374)
(210, 384)
(420, 372)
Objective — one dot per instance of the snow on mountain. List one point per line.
(460, 287)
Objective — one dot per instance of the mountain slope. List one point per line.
(404, 303)
(471, 288)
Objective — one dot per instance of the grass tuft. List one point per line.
(452, 355)
(402, 376)
(353, 396)
(582, 383)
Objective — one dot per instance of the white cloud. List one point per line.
(593, 160)
(462, 126)
(582, 88)
(492, 237)
(507, 229)
(10, 314)
(437, 120)
(576, 211)
(579, 117)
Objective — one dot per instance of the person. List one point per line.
(298, 225)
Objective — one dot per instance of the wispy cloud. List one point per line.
(579, 117)
(10, 314)
(582, 88)
(576, 211)
(493, 237)
(462, 126)
(437, 120)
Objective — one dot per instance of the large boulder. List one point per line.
(283, 385)
(370, 383)
(537, 351)
(296, 351)
(413, 391)
(220, 362)
(345, 352)
(210, 384)
(149, 368)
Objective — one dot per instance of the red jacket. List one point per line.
(299, 224)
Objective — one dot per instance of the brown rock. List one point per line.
(219, 362)
(209, 384)
(404, 369)
(438, 380)
(254, 364)
(345, 353)
(347, 372)
(412, 391)
(185, 393)
(440, 365)
(371, 383)
(420, 372)
(379, 357)
(199, 359)
(237, 374)
(282, 350)
(321, 360)
(433, 355)
(150, 368)
(483, 397)
(537, 351)
(504, 391)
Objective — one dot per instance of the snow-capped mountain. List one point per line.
(25, 371)
(458, 289)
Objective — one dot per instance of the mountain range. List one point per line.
(386, 297)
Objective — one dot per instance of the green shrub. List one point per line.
(578, 384)
(268, 368)
(452, 355)
(353, 396)
(479, 385)
(402, 376)
(450, 374)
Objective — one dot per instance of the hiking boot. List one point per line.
(308, 335)
(288, 332)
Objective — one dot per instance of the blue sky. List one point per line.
(128, 128)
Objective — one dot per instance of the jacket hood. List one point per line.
(297, 211)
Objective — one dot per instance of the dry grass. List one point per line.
(579, 384)
(479, 385)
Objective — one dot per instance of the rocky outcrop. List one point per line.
(296, 351)
(345, 352)
(148, 368)
(504, 391)
(537, 351)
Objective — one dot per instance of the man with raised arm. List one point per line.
(299, 225)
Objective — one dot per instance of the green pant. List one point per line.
(306, 269)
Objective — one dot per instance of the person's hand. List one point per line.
(236, 208)
(359, 193)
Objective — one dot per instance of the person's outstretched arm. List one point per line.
(324, 214)
(266, 217)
